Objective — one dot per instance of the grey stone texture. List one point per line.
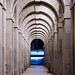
(52, 21)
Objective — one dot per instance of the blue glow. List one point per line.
(37, 60)
(37, 56)
(37, 52)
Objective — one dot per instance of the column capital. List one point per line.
(72, 6)
(49, 40)
(59, 25)
(52, 36)
(55, 32)
(4, 9)
(16, 28)
(20, 33)
(2, 6)
(23, 37)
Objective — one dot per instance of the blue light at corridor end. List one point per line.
(37, 57)
(37, 52)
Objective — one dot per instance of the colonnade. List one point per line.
(61, 45)
(15, 48)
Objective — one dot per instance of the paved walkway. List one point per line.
(36, 70)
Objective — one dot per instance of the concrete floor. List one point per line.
(36, 70)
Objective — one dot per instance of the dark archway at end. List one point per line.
(37, 44)
(37, 52)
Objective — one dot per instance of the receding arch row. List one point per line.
(38, 19)
(32, 3)
(14, 3)
(61, 3)
(41, 20)
(40, 29)
(36, 32)
(37, 36)
(37, 24)
(40, 12)
(36, 28)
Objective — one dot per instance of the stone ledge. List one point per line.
(20, 33)
(67, 5)
(66, 18)
(23, 36)
(72, 6)
(1, 4)
(10, 19)
(16, 28)
(55, 32)
(58, 28)
(3, 7)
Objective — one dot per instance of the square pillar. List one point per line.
(59, 45)
(67, 47)
(67, 41)
(9, 46)
(52, 55)
(55, 53)
(20, 53)
(4, 38)
(73, 39)
(0, 40)
(16, 51)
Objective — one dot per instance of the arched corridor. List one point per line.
(52, 21)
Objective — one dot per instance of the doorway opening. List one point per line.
(37, 52)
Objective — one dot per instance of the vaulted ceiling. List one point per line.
(38, 18)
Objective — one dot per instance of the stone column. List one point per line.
(16, 51)
(1, 39)
(48, 56)
(72, 39)
(67, 41)
(52, 55)
(28, 55)
(9, 45)
(4, 41)
(50, 44)
(47, 59)
(23, 53)
(25, 56)
(59, 52)
(20, 53)
(9, 40)
(49, 65)
(45, 55)
(55, 53)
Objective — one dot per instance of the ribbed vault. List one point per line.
(38, 18)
